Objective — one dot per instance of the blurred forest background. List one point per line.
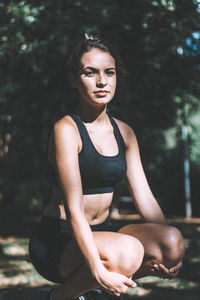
(159, 42)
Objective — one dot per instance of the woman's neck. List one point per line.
(89, 114)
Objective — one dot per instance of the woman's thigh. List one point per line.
(111, 246)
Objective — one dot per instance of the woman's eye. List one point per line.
(110, 73)
(89, 73)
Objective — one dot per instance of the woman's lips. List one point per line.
(101, 93)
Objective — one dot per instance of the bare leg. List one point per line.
(81, 282)
(162, 244)
(119, 253)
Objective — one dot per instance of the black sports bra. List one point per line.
(99, 173)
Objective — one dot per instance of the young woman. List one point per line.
(75, 243)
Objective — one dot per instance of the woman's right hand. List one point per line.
(115, 283)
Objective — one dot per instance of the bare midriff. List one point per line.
(96, 207)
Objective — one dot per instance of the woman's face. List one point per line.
(97, 79)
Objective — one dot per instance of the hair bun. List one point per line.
(90, 37)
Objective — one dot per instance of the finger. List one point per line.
(156, 267)
(122, 290)
(130, 283)
(157, 271)
(169, 274)
(166, 273)
(176, 267)
(173, 270)
(164, 269)
(117, 294)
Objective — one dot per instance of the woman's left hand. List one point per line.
(161, 271)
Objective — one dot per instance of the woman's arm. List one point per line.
(144, 200)
(66, 157)
(67, 144)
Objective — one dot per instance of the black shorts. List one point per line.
(49, 240)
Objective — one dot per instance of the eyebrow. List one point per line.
(94, 69)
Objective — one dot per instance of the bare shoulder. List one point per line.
(65, 125)
(66, 133)
(66, 129)
(127, 132)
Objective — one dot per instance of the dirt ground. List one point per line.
(20, 281)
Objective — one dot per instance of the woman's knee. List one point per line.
(127, 257)
(172, 246)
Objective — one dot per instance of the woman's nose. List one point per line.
(101, 80)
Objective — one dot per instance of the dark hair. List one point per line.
(85, 45)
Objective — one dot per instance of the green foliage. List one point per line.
(37, 38)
